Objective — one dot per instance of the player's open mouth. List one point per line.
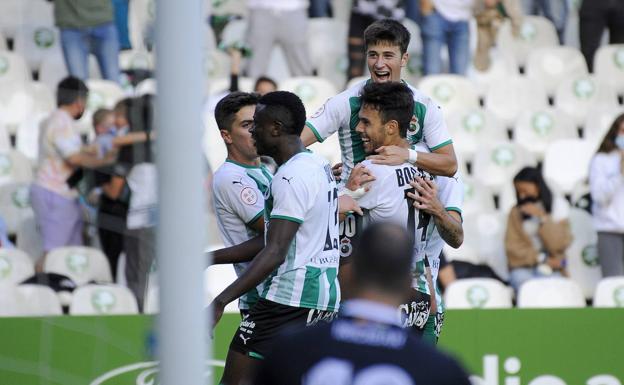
(382, 75)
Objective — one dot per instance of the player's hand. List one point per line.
(360, 176)
(533, 210)
(390, 155)
(218, 307)
(426, 196)
(346, 205)
(337, 171)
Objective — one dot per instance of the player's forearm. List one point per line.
(307, 136)
(437, 163)
(257, 271)
(243, 252)
(450, 229)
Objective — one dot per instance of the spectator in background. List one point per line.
(538, 231)
(445, 22)
(121, 23)
(87, 27)
(57, 211)
(606, 180)
(489, 15)
(363, 14)
(554, 10)
(319, 8)
(594, 17)
(105, 131)
(283, 22)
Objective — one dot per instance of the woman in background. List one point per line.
(606, 180)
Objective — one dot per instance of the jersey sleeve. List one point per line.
(329, 117)
(242, 197)
(293, 197)
(451, 193)
(435, 131)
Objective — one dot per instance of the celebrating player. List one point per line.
(298, 266)
(386, 44)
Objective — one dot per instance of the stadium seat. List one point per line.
(477, 197)
(81, 264)
(536, 129)
(11, 16)
(45, 98)
(16, 104)
(136, 59)
(14, 168)
(582, 255)
(13, 68)
(28, 300)
(566, 163)
(38, 12)
(535, 32)
(550, 66)
(580, 196)
(220, 85)
(497, 162)
(36, 41)
(507, 99)
(501, 70)
(356, 80)
(29, 239)
(609, 65)
(329, 149)
(451, 92)
(477, 293)
(552, 292)
(229, 7)
(578, 96)
(598, 122)
(15, 266)
(15, 204)
(213, 145)
(3, 43)
(102, 94)
(610, 292)
(53, 70)
(323, 34)
(234, 33)
(146, 86)
(103, 300)
(216, 65)
(5, 138)
(27, 136)
(470, 128)
(141, 19)
(216, 279)
(313, 91)
(152, 305)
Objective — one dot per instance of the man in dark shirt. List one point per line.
(366, 344)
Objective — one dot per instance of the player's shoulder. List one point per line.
(382, 170)
(230, 176)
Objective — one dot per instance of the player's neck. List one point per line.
(398, 141)
(235, 157)
(289, 147)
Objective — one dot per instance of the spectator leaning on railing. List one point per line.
(606, 179)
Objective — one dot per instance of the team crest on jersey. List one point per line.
(319, 112)
(249, 196)
(345, 247)
(413, 130)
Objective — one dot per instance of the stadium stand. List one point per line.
(582, 254)
(29, 300)
(81, 264)
(103, 300)
(497, 162)
(507, 99)
(566, 163)
(578, 96)
(451, 92)
(536, 129)
(15, 204)
(478, 293)
(535, 32)
(555, 292)
(550, 66)
(609, 65)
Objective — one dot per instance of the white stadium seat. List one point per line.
(27, 136)
(609, 65)
(12, 15)
(216, 65)
(15, 266)
(28, 300)
(14, 168)
(37, 41)
(536, 129)
(610, 292)
(496, 163)
(471, 128)
(578, 96)
(507, 99)
(329, 149)
(3, 44)
(81, 264)
(451, 92)
(598, 122)
(146, 86)
(53, 70)
(477, 197)
(152, 305)
(552, 65)
(16, 104)
(566, 163)
(15, 204)
(136, 59)
(313, 91)
(356, 80)
(535, 32)
(103, 300)
(28, 237)
(13, 68)
(5, 138)
(234, 32)
(501, 70)
(141, 19)
(477, 293)
(213, 145)
(582, 255)
(552, 292)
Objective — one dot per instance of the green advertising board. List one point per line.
(500, 347)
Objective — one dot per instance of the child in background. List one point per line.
(105, 130)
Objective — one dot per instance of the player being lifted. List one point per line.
(386, 43)
(297, 265)
(384, 119)
(240, 183)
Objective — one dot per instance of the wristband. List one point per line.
(357, 194)
(413, 156)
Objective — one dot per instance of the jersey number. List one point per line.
(332, 199)
(423, 217)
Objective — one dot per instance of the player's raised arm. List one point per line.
(243, 252)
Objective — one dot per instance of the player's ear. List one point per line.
(392, 127)
(277, 128)
(227, 137)
(404, 59)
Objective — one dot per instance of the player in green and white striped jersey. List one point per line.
(239, 184)
(386, 44)
(297, 261)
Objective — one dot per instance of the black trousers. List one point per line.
(595, 16)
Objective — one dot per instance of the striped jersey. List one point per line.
(304, 191)
(340, 113)
(238, 199)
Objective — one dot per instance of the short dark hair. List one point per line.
(387, 31)
(69, 90)
(608, 142)
(99, 115)
(262, 79)
(393, 100)
(287, 108)
(534, 175)
(383, 258)
(229, 106)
